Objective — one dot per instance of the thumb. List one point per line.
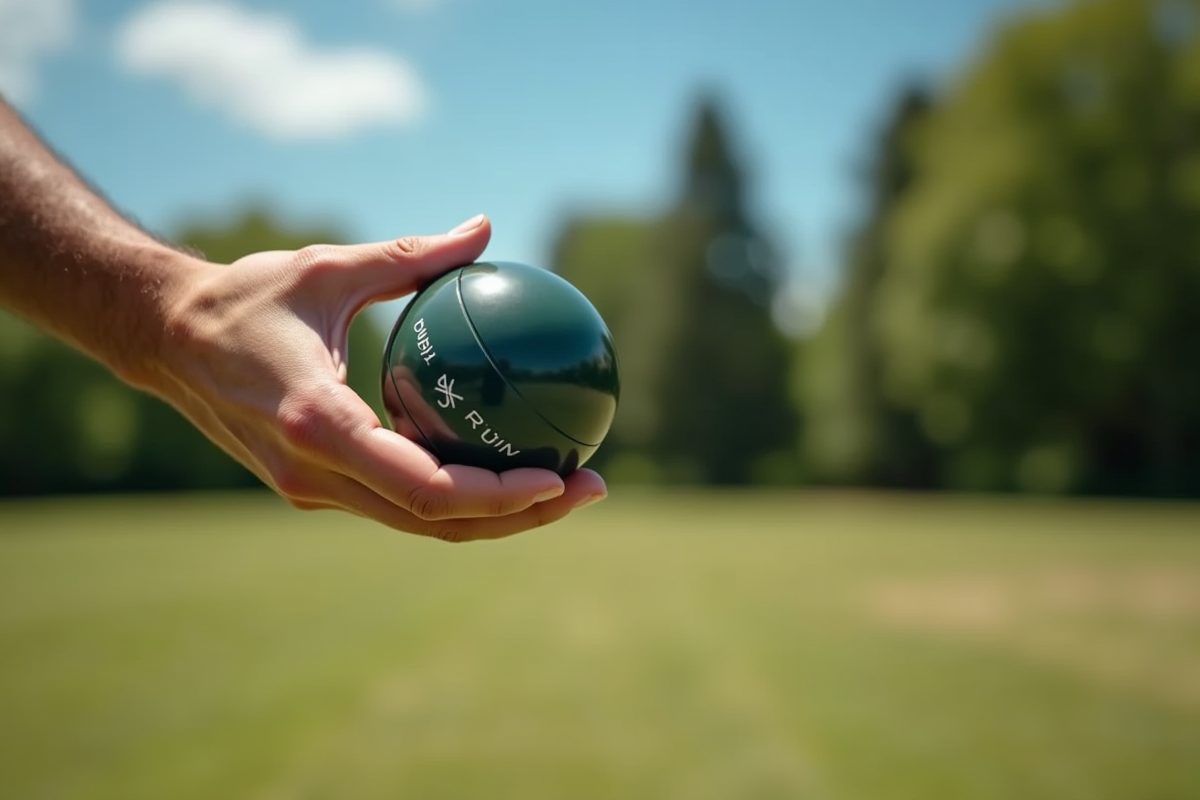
(391, 269)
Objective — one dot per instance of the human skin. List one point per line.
(254, 353)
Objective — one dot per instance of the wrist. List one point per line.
(166, 276)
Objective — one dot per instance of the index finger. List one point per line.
(406, 474)
(340, 431)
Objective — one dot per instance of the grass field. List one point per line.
(657, 646)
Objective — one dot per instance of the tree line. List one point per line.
(1015, 304)
(1013, 314)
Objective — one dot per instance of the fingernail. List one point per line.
(549, 494)
(468, 226)
(591, 499)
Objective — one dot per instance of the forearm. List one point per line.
(72, 265)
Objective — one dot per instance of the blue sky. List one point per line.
(406, 116)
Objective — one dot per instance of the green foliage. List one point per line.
(1015, 310)
(1040, 310)
(67, 425)
(687, 298)
(1030, 290)
(610, 261)
(860, 437)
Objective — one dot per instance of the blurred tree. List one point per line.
(687, 296)
(611, 260)
(862, 438)
(723, 386)
(1036, 313)
(67, 425)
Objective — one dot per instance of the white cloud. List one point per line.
(257, 68)
(29, 31)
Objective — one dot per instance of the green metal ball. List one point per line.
(502, 365)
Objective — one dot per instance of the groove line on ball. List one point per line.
(488, 355)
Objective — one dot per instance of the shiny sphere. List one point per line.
(501, 365)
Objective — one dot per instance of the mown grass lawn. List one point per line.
(660, 645)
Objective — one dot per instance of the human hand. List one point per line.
(255, 356)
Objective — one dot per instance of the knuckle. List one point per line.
(544, 515)
(304, 423)
(449, 534)
(500, 506)
(427, 503)
(292, 485)
(408, 247)
(316, 263)
(315, 256)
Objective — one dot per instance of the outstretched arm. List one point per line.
(73, 266)
(253, 353)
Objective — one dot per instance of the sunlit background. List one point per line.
(905, 469)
